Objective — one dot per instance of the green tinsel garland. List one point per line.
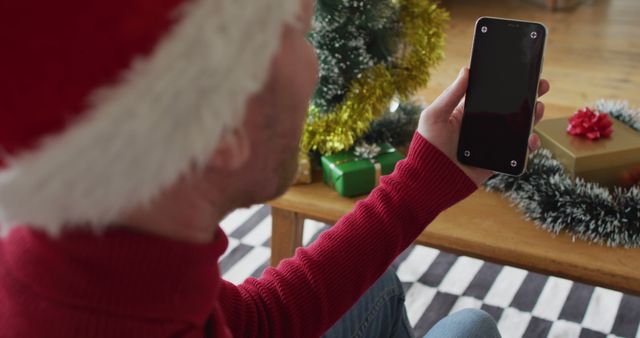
(394, 127)
(621, 111)
(369, 52)
(556, 202)
(350, 36)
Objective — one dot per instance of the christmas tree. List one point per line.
(370, 52)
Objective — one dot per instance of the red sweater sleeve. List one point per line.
(305, 295)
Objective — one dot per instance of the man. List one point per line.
(129, 129)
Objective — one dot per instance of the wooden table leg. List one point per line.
(286, 234)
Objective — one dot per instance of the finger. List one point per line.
(450, 98)
(534, 142)
(539, 112)
(458, 111)
(460, 105)
(543, 87)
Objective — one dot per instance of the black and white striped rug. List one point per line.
(525, 304)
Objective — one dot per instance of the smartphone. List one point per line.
(506, 63)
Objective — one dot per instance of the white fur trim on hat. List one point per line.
(166, 114)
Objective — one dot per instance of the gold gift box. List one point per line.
(608, 161)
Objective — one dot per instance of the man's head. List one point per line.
(128, 106)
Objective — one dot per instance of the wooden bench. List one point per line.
(484, 225)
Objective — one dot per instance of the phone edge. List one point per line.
(533, 113)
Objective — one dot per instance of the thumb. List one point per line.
(449, 99)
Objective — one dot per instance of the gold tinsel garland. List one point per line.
(422, 38)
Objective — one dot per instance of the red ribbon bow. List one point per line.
(590, 123)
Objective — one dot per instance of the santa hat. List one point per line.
(103, 104)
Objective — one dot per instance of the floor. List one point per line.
(592, 51)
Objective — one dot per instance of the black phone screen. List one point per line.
(506, 61)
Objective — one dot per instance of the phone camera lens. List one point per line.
(534, 35)
(514, 163)
(467, 153)
(483, 29)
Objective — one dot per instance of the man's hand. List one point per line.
(440, 123)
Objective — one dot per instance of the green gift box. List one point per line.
(352, 174)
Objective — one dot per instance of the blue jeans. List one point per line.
(380, 312)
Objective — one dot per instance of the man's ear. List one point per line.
(233, 149)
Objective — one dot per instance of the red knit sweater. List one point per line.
(126, 284)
